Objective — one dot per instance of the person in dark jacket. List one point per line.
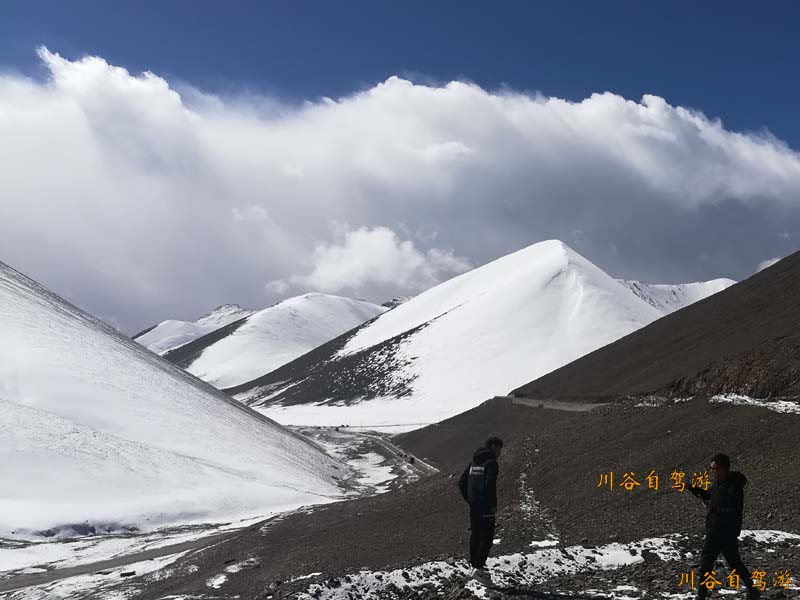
(478, 486)
(724, 503)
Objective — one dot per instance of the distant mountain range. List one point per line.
(172, 334)
(248, 343)
(451, 347)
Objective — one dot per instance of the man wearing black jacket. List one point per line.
(478, 486)
(724, 505)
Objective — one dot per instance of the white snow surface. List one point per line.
(512, 569)
(523, 569)
(94, 428)
(498, 327)
(390, 415)
(172, 334)
(781, 406)
(671, 297)
(98, 585)
(277, 335)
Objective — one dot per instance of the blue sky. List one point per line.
(734, 60)
(247, 185)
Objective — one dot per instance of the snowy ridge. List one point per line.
(470, 338)
(671, 297)
(277, 335)
(172, 334)
(96, 429)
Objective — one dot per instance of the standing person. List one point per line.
(724, 505)
(478, 486)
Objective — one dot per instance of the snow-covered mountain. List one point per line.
(94, 428)
(671, 297)
(457, 344)
(172, 334)
(265, 340)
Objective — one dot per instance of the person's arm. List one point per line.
(704, 495)
(491, 485)
(463, 483)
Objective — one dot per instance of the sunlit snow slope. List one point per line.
(277, 335)
(171, 334)
(457, 344)
(671, 297)
(93, 427)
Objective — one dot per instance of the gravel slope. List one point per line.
(547, 487)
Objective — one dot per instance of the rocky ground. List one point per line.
(549, 493)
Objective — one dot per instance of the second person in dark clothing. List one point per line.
(478, 486)
(724, 505)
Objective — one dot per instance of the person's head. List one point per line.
(720, 466)
(495, 444)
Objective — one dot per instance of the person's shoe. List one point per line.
(482, 576)
(753, 594)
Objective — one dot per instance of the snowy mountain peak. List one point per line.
(171, 334)
(458, 343)
(269, 338)
(224, 309)
(511, 289)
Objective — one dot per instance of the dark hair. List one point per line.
(494, 441)
(722, 460)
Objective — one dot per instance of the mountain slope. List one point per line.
(451, 347)
(172, 334)
(263, 341)
(671, 297)
(744, 339)
(94, 428)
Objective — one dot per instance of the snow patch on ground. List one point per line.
(519, 570)
(63, 554)
(96, 585)
(374, 471)
(391, 415)
(781, 406)
(217, 581)
(768, 536)
(29, 556)
(513, 569)
(548, 543)
(656, 401)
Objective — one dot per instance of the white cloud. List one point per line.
(767, 263)
(144, 203)
(377, 257)
(279, 287)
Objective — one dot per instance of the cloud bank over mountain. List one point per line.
(138, 198)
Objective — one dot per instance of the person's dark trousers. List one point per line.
(729, 547)
(481, 525)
